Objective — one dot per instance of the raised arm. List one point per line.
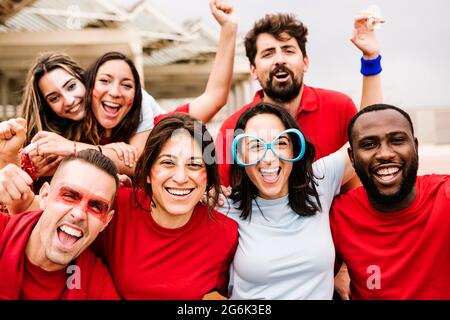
(364, 38)
(215, 95)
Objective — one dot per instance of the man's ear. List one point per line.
(108, 219)
(306, 63)
(44, 194)
(350, 155)
(253, 72)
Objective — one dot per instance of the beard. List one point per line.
(282, 92)
(409, 180)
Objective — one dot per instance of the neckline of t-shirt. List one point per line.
(34, 269)
(399, 213)
(193, 220)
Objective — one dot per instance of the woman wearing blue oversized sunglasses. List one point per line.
(281, 201)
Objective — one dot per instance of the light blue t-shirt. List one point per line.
(149, 110)
(282, 255)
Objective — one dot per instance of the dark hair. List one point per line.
(303, 195)
(93, 131)
(376, 107)
(35, 109)
(158, 137)
(276, 25)
(95, 158)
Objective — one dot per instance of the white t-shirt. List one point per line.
(149, 110)
(282, 255)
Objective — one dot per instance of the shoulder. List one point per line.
(434, 179)
(231, 121)
(329, 164)
(100, 284)
(333, 100)
(130, 201)
(218, 221)
(351, 199)
(432, 183)
(330, 94)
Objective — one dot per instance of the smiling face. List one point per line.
(113, 94)
(64, 93)
(279, 66)
(178, 179)
(270, 175)
(384, 154)
(77, 207)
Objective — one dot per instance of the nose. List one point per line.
(69, 99)
(269, 157)
(114, 91)
(78, 213)
(180, 175)
(279, 57)
(385, 152)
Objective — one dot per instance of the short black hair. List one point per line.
(377, 107)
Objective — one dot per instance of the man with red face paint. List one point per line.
(43, 253)
(394, 232)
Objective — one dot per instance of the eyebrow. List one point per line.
(68, 189)
(109, 75)
(388, 134)
(175, 157)
(78, 193)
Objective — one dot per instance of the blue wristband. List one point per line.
(371, 67)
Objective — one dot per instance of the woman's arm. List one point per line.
(215, 95)
(49, 144)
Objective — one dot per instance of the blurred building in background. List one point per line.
(173, 58)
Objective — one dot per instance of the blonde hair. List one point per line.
(35, 110)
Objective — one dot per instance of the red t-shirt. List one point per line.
(323, 116)
(184, 108)
(34, 283)
(148, 261)
(399, 255)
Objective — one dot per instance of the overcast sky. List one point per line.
(415, 43)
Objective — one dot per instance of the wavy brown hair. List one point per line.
(276, 25)
(160, 134)
(303, 195)
(35, 109)
(92, 131)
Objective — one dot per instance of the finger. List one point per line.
(40, 135)
(4, 196)
(18, 126)
(25, 177)
(135, 156)
(22, 122)
(21, 184)
(127, 155)
(345, 296)
(119, 153)
(12, 190)
(6, 131)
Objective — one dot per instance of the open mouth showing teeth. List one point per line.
(281, 75)
(270, 174)
(387, 174)
(68, 235)
(111, 107)
(179, 192)
(74, 109)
